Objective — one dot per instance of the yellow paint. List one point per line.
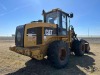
(41, 51)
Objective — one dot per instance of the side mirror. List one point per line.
(43, 12)
(71, 15)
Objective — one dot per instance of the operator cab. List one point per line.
(58, 17)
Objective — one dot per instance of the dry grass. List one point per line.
(12, 63)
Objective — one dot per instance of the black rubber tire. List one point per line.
(87, 46)
(58, 54)
(79, 47)
(73, 45)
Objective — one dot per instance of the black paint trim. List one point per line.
(38, 32)
(21, 30)
(39, 35)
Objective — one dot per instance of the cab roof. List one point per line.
(55, 10)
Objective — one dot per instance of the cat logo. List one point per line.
(48, 32)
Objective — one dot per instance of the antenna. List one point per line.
(69, 21)
(88, 32)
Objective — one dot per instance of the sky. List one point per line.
(86, 18)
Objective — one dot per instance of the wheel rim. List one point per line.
(88, 48)
(62, 54)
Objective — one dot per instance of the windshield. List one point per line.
(52, 18)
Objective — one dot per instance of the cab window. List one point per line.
(63, 21)
(52, 18)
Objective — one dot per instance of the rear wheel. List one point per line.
(58, 54)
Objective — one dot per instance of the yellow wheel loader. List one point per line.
(53, 37)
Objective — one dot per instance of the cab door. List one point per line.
(62, 27)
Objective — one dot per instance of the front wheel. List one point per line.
(79, 47)
(87, 46)
(58, 54)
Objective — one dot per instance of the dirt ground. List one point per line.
(12, 63)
